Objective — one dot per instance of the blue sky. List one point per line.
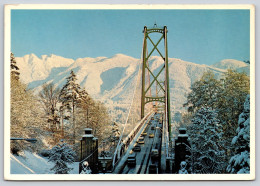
(200, 36)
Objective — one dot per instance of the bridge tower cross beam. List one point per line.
(145, 68)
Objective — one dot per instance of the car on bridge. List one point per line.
(141, 140)
(153, 169)
(154, 154)
(131, 160)
(144, 133)
(137, 148)
(151, 135)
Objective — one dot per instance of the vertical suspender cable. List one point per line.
(119, 141)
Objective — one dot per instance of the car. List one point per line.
(144, 133)
(141, 140)
(131, 160)
(137, 148)
(154, 154)
(152, 169)
(152, 127)
(151, 135)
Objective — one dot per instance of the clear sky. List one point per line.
(200, 36)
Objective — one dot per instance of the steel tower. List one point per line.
(146, 85)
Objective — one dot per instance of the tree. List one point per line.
(115, 134)
(206, 142)
(69, 96)
(49, 98)
(205, 92)
(247, 61)
(240, 162)
(236, 86)
(25, 117)
(14, 68)
(93, 114)
(226, 96)
(62, 155)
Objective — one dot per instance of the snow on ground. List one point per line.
(32, 163)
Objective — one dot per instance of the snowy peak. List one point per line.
(111, 79)
(33, 68)
(230, 64)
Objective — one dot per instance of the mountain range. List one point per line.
(111, 79)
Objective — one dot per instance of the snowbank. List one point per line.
(32, 163)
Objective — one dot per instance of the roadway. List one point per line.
(143, 158)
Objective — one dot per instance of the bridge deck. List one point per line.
(143, 158)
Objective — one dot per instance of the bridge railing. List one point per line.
(123, 146)
(128, 140)
(165, 151)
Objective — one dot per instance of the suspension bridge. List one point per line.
(145, 144)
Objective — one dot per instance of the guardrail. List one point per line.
(123, 147)
(132, 134)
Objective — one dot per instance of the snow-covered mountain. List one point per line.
(111, 80)
(233, 64)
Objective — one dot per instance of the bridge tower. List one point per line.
(146, 84)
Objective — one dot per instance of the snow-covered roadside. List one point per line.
(32, 163)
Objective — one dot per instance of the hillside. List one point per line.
(31, 163)
(111, 80)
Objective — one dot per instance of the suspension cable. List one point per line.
(130, 107)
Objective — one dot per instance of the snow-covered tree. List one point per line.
(230, 105)
(14, 68)
(62, 155)
(48, 98)
(207, 151)
(240, 162)
(205, 92)
(226, 96)
(69, 96)
(93, 114)
(115, 133)
(25, 115)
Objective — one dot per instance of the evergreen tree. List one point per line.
(240, 162)
(207, 151)
(62, 155)
(25, 116)
(69, 96)
(247, 61)
(205, 92)
(230, 104)
(84, 113)
(14, 68)
(226, 96)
